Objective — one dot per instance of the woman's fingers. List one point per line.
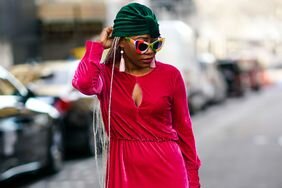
(105, 37)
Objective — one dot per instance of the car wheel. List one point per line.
(196, 103)
(55, 151)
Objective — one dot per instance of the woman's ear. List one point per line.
(121, 43)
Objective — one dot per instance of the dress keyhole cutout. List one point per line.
(137, 95)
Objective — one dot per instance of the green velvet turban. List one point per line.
(135, 19)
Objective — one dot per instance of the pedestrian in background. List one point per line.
(143, 104)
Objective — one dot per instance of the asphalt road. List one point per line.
(239, 143)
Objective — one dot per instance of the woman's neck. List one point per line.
(133, 69)
(136, 70)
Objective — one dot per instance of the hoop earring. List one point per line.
(153, 63)
(121, 63)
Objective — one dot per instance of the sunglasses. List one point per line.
(142, 46)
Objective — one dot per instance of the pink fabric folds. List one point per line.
(152, 145)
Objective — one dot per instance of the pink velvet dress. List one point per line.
(152, 145)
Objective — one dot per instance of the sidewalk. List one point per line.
(80, 173)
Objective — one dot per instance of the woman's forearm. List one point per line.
(87, 78)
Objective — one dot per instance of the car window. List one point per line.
(6, 88)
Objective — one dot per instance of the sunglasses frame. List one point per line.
(150, 45)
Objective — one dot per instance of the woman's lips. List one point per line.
(149, 60)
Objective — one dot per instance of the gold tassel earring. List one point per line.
(121, 63)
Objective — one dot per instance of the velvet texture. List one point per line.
(152, 145)
(135, 19)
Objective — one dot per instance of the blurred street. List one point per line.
(239, 143)
(229, 54)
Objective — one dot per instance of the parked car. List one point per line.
(274, 73)
(179, 51)
(53, 81)
(30, 135)
(253, 73)
(233, 75)
(214, 76)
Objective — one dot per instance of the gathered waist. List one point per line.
(143, 139)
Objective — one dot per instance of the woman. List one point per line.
(143, 105)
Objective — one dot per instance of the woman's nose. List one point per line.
(150, 51)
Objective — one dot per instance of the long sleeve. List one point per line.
(87, 78)
(183, 125)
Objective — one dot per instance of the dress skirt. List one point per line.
(146, 164)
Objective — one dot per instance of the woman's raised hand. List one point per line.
(105, 39)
